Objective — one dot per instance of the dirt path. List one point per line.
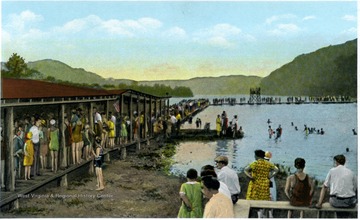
(134, 188)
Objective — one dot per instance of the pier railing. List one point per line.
(243, 208)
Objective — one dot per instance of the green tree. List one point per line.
(16, 66)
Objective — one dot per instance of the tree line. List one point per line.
(16, 67)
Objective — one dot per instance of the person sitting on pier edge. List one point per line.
(299, 187)
(342, 183)
(218, 206)
(229, 177)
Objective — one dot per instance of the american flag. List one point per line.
(117, 106)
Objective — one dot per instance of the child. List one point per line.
(98, 154)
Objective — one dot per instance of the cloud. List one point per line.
(350, 31)
(175, 32)
(310, 17)
(220, 42)
(283, 29)
(275, 18)
(220, 35)
(95, 24)
(26, 19)
(349, 18)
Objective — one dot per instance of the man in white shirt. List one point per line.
(97, 122)
(35, 169)
(229, 177)
(342, 183)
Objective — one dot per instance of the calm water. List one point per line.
(337, 120)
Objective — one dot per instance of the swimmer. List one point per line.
(354, 132)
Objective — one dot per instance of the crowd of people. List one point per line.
(231, 129)
(40, 136)
(217, 189)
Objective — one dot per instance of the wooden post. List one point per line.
(63, 153)
(63, 181)
(150, 124)
(131, 119)
(9, 174)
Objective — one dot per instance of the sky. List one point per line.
(158, 40)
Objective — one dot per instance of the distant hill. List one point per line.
(328, 71)
(222, 85)
(64, 72)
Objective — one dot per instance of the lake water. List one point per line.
(337, 120)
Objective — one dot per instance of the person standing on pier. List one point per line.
(224, 123)
(53, 133)
(35, 169)
(28, 155)
(218, 125)
(18, 152)
(98, 154)
(235, 125)
(44, 148)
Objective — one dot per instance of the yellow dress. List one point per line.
(218, 125)
(29, 149)
(259, 187)
(111, 127)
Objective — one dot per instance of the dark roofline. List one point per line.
(13, 88)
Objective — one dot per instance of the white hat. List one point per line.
(52, 122)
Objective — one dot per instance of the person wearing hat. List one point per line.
(28, 155)
(228, 176)
(44, 148)
(299, 187)
(53, 133)
(260, 172)
(273, 191)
